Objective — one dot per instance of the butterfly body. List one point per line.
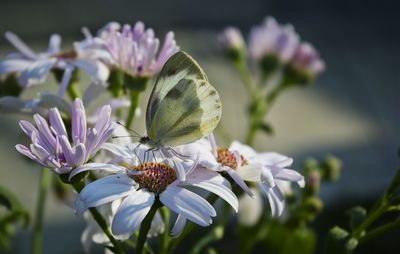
(183, 106)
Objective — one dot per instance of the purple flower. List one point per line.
(33, 68)
(51, 146)
(307, 59)
(134, 50)
(273, 39)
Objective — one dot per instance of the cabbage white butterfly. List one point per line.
(183, 107)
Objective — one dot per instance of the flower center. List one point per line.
(228, 158)
(67, 55)
(155, 177)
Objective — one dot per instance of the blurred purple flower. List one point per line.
(134, 50)
(231, 39)
(33, 68)
(273, 39)
(50, 144)
(307, 59)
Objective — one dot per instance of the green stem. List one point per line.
(372, 217)
(73, 90)
(145, 226)
(262, 107)
(245, 76)
(134, 95)
(37, 237)
(379, 231)
(214, 235)
(101, 222)
(164, 239)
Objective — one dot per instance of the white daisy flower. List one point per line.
(143, 182)
(242, 163)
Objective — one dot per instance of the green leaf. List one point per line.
(13, 205)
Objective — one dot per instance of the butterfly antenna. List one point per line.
(127, 136)
(129, 129)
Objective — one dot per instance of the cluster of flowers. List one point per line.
(271, 44)
(134, 178)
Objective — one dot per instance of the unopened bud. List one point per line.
(331, 167)
(232, 42)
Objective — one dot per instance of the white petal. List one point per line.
(276, 159)
(157, 226)
(234, 175)
(14, 65)
(246, 151)
(289, 175)
(94, 69)
(48, 100)
(250, 209)
(103, 191)
(37, 72)
(178, 226)
(131, 213)
(250, 172)
(202, 150)
(275, 198)
(214, 183)
(93, 92)
(189, 204)
(117, 150)
(97, 166)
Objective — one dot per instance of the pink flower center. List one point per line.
(228, 158)
(155, 177)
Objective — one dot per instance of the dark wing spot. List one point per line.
(172, 72)
(202, 84)
(174, 93)
(212, 92)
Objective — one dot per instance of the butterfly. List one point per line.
(183, 106)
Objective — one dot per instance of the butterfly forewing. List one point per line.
(188, 112)
(178, 66)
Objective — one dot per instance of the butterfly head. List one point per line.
(144, 140)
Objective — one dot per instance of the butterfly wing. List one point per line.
(189, 111)
(178, 66)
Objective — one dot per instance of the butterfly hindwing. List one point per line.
(188, 112)
(177, 67)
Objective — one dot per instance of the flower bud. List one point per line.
(272, 44)
(313, 182)
(331, 167)
(304, 66)
(232, 42)
(339, 241)
(312, 207)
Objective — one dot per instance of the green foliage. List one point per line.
(339, 241)
(283, 239)
(14, 214)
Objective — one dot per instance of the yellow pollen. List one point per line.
(155, 177)
(228, 158)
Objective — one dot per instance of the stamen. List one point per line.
(155, 177)
(228, 158)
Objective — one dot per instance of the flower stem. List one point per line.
(164, 238)
(372, 217)
(73, 90)
(132, 109)
(245, 75)
(145, 226)
(380, 230)
(37, 236)
(101, 222)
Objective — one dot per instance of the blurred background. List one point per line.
(352, 111)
